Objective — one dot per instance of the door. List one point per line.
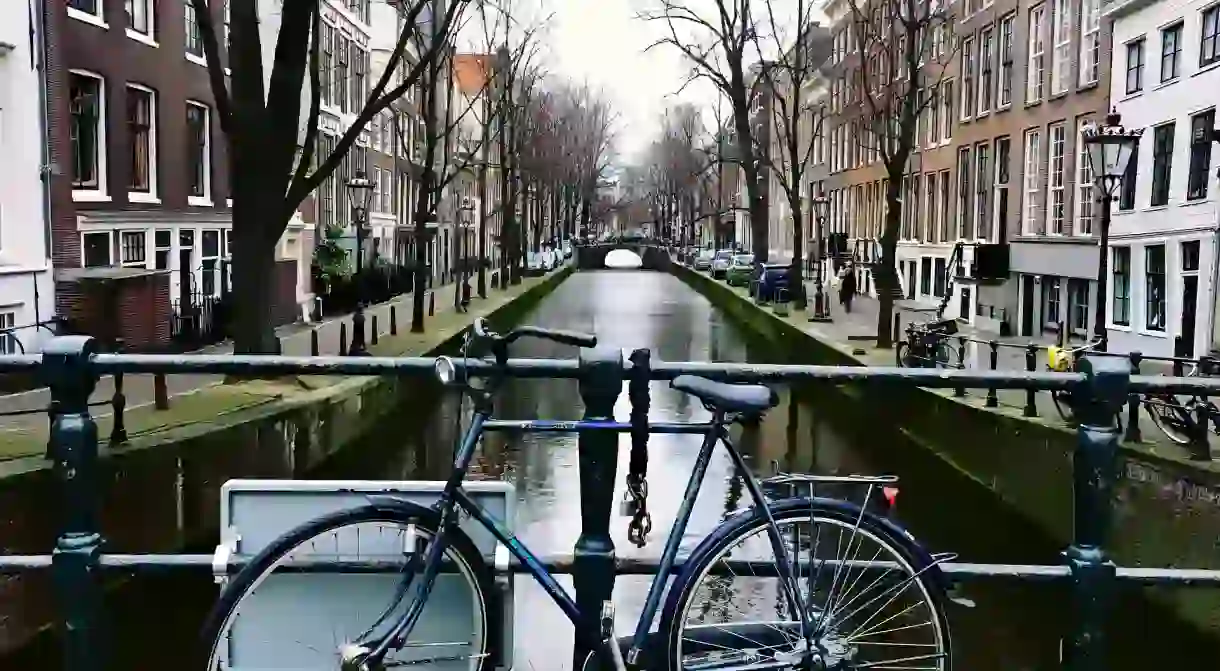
(963, 310)
(1190, 295)
(910, 280)
(1027, 305)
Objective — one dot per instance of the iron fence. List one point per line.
(1100, 387)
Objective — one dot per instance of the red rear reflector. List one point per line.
(891, 494)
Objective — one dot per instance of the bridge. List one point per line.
(652, 255)
(81, 560)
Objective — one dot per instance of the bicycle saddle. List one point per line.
(727, 397)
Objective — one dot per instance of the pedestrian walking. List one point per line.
(847, 286)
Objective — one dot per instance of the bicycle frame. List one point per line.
(585, 624)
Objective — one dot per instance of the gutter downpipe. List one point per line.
(46, 170)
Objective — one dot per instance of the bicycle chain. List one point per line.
(641, 520)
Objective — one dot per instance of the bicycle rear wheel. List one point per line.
(1171, 416)
(874, 599)
(900, 353)
(306, 623)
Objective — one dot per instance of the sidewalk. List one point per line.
(295, 338)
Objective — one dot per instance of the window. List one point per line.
(939, 277)
(209, 260)
(140, 16)
(963, 192)
(933, 111)
(8, 341)
(141, 112)
(933, 208)
(86, 94)
(1084, 184)
(1126, 194)
(946, 110)
(131, 249)
(1004, 95)
(986, 60)
(967, 77)
(943, 217)
(194, 40)
(1051, 288)
(1200, 154)
(1032, 202)
(1171, 51)
(1135, 66)
(95, 250)
(342, 54)
(1090, 41)
(1162, 163)
(90, 7)
(1078, 305)
(1190, 256)
(374, 129)
(1036, 67)
(162, 242)
(1209, 42)
(982, 178)
(1121, 286)
(198, 146)
(228, 19)
(1003, 151)
(325, 62)
(1061, 58)
(359, 71)
(1154, 289)
(1057, 207)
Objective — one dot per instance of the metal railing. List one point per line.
(71, 365)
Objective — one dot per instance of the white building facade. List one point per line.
(26, 286)
(1164, 231)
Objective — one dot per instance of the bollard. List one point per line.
(393, 320)
(993, 400)
(342, 338)
(431, 303)
(1094, 466)
(897, 327)
(118, 403)
(1132, 434)
(160, 392)
(961, 363)
(1199, 448)
(313, 342)
(593, 568)
(1031, 364)
(373, 335)
(74, 562)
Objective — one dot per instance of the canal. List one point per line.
(1015, 626)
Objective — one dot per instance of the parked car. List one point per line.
(721, 262)
(703, 261)
(567, 250)
(533, 264)
(772, 282)
(740, 271)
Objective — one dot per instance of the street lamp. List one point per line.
(359, 191)
(461, 294)
(821, 309)
(1110, 147)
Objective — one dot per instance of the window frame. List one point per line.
(1120, 271)
(1032, 193)
(983, 171)
(1172, 58)
(1035, 86)
(966, 71)
(1162, 163)
(150, 20)
(205, 199)
(1083, 212)
(84, 236)
(1198, 171)
(1056, 180)
(1151, 310)
(1209, 44)
(98, 191)
(1061, 46)
(149, 194)
(1007, 35)
(1090, 43)
(986, 72)
(1002, 172)
(94, 15)
(191, 37)
(965, 169)
(133, 234)
(1135, 46)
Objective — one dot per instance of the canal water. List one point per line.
(1014, 626)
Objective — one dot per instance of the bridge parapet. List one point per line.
(593, 257)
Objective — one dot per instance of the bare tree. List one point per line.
(795, 117)
(271, 152)
(717, 50)
(904, 49)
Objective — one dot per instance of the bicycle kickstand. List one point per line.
(609, 639)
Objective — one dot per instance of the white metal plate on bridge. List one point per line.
(296, 621)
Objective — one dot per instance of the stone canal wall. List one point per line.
(160, 492)
(1167, 509)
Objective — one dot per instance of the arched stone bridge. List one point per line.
(593, 256)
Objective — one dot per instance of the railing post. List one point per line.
(118, 403)
(74, 562)
(960, 391)
(1133, 434)
(373, 333)
(393, 319)
(1094, 466)
(993, 400)
(1200, 449)
(897, 326)
(160, 392)
(342, 338)
(601, 381)
(1031, 364)
(313, 342)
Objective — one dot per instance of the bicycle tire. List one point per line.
(1168, 403)
(1063, 403)
(248, 578)
(946, 355)
(930, 579)
(900, 354)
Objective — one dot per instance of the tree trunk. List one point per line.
(796, 277)
(254, 273)
(884, 278)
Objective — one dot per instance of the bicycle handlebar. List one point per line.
(561, 336)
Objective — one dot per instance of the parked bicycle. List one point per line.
(1066, 360)
(927, 346)
(844, 589)
(1179, 417)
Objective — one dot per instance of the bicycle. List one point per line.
(805, 614)
(927, 346)
(1179, 420)
(1064, 360)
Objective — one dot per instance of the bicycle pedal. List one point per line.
(607, 620)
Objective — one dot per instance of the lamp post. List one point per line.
(821, 311)
(1110, 147)
(359, 190)
(461, 294)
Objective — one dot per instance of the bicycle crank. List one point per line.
(609, 639)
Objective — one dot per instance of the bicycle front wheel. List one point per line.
(312, 596)
(872, 598)
(900, 353)
(1171, 416)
